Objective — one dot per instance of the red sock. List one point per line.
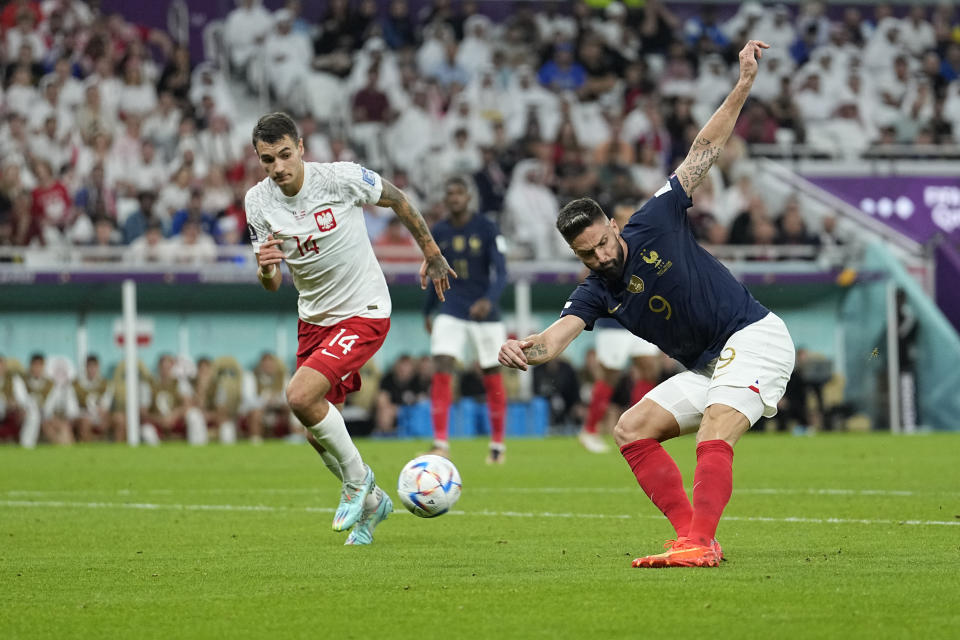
(712, 486)
(640, 388)
(497, 403)
(599, 401)
(441, 396)
(660, 479)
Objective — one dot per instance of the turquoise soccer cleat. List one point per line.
(363, 531)
(350, 508)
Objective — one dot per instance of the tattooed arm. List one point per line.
(434, 264)
(541, 347)
(712, 138)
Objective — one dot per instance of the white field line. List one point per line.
(147, 506)
(885, 493)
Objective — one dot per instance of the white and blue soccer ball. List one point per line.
(429, 486)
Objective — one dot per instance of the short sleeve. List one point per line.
(255, 222)
(669, 203)
(585, 304)
(358, 185)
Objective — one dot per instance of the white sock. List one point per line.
(228, 432)
(331, 433)
(30, 429)
(372, 501)
(196, 426)
(332, 464)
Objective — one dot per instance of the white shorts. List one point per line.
(615, 347)
(466, 340)
(750, 375)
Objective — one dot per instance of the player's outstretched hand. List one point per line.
(512, 355)
(270, 252)
(749, 57)
(436, 268)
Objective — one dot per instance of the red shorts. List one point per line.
(340, 350)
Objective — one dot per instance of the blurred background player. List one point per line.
(468, 324)
(169, 400)
(263, 395)
(19, 416)
(309, 216)
(91, 391)
(616, 347)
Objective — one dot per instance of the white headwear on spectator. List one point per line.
(713, 84)
(813, 102)
(413, 132)
(552, 25)
(433, 51)
(531, 211)
(749, 12)
(485, 95)
(243, 32)
(287, 58)
(884, 46)
(917, 37)
(526, 92)
(388, 79)
(776, 28)
(475, 51)
(206, 79)
(776, 65)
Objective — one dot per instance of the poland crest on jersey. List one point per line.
(325, 220)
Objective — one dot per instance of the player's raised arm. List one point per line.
(712, 138)
(541, 347)
(434, 264)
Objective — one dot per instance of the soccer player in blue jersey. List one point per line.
(656, 281)
(468, 322)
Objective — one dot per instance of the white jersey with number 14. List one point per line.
(325, 241)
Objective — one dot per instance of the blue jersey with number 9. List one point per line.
(673, 293)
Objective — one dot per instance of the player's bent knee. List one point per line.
(646, 419)
(305, 399)
(721, 422)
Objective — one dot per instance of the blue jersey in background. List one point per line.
(673, 293)
(473, 252)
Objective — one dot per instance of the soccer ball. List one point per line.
(429, 486)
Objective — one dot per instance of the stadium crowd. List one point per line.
(113, 136)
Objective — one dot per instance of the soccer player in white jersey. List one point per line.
(309, 215)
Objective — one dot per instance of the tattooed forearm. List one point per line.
(408, 214)
(711, 139)
(535, 352)
(694, 169)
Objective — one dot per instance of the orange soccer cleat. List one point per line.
(682, 552)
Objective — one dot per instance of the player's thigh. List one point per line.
(684, 396)
(487, 338)
(751, 374)
(449, 336)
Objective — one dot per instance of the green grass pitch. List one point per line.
(834, 536)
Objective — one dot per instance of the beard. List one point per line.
(612, 270)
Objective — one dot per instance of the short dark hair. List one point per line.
(460, 181)
(577, 215)
(273, 127)
(92, 358)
